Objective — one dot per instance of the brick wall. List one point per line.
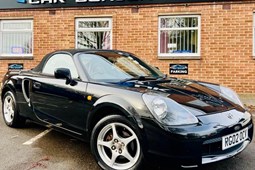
(226, 38)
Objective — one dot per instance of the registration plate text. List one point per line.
(234, 138)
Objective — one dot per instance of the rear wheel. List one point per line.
(10, 111)
(115, 144)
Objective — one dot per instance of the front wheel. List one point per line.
(11, 112)
(115, 144)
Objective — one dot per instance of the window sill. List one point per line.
(179, 57)
(16, 58)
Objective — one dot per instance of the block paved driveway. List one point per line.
(56, 151)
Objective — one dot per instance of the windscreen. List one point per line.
(115, 66)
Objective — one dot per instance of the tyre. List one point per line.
(116, 144)
(11, 112)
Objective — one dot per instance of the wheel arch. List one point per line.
(17, 121)
(110, 105)
(7, 87)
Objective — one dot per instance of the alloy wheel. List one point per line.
(118, 146)
(8, 109)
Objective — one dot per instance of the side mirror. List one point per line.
(64, 73)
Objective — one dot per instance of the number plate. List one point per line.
(234, 139)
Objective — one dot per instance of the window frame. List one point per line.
(77, 29)
(180, 55)
(253, 38)
(31, 30)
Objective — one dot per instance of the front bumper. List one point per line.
(194, 145)
(214, 158)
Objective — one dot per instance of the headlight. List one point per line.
(167, 111)
(231, 95)
(159, 107)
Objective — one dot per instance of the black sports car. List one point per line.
(128, 110)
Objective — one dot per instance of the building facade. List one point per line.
(215, 39)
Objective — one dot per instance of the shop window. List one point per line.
(16, 38)
(94, 33)
(179, 36)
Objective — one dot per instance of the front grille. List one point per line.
(216, 149)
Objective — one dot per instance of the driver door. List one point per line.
(57, 103)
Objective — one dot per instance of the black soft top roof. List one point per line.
(72, 52)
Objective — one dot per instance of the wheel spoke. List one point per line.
(129, 139)
(114, 157)
(6, 103)
(114, 132)
(6, 112)
(11, 112)
(104, 143)
(128, 156)
(5, 109)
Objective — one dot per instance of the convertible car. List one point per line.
(129, 111)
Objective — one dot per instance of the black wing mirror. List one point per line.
(64, 73)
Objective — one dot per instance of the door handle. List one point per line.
(37, 85)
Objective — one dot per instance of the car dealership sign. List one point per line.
(59, 1)
(41, 1)
(23, 4)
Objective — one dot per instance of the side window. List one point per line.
(60, 61)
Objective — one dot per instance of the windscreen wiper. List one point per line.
(162, 78)
(138, 78)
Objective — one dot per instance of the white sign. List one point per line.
(170, 45)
